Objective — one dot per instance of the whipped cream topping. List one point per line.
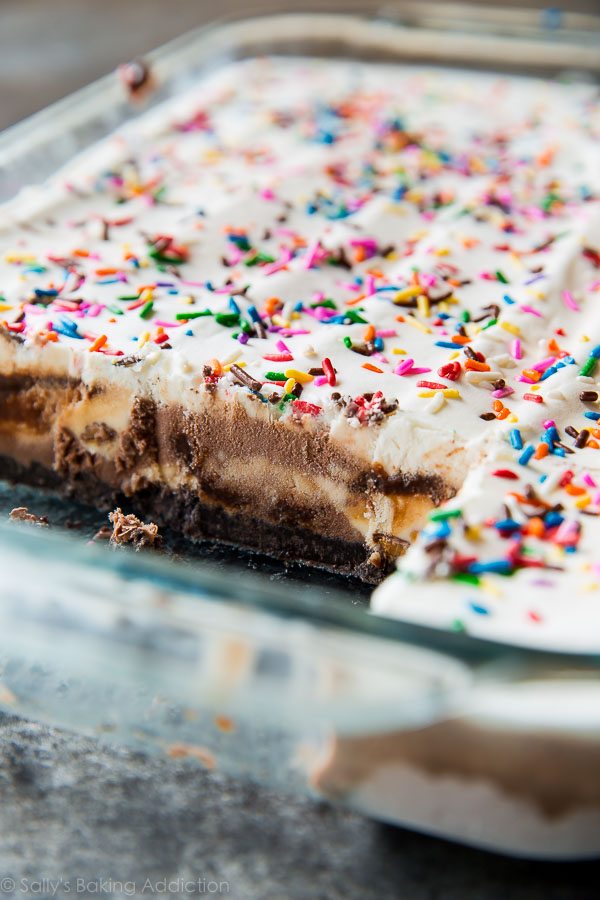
(408, 256)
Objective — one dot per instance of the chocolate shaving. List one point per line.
(127, 361)
(244, 378)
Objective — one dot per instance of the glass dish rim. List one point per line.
(258, 591)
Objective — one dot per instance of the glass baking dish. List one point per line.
(286, 677)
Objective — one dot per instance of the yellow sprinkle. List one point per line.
(289, 386)
(589, 586)
(295, 315)
(454, 355)
(189, 300)
(512, 418)
(533, 387)
(443, 306)
(147, 294)
(512, 329)
(490, 587)
(302, 377)
(451, 394)
(279, 320)
(241, 364)
(583, 501)
(423, 306)
(144, 338)
(408, 293)
(585, 337)
(473, 532)
(443, 251)
(426, 394)
(19, 258)
(452, 299)
(4, 307)
(416, 324)
(399, 351)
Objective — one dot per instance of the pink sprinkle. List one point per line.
(201, 284)
(502, 392)
(282, 347)
(589, 480)
(544, 364)
(167, 324)
(515, 349)
(549, 423)
(569, 301)
(531, 311)
(320, 380)
(95, 310)
(290, 332)
(526, 379)
(267, 194)
(386, 333)
(369, 286)
(279, 264)
(311, 255)
(404, 367)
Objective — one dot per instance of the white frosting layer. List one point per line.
(324, 208)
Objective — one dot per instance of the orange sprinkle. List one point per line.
(82, 253)
(400, 319)
(360, 254)
(541, 451)
(535, 527)
(415, 278)
(476, 366)
(503, 413)
(271, 305)
(369, 333)
(498, 405)
(216, 366)
(532, 374)
(224, 723)
(355, 300)
(593, 444)
(98, 343)
(372, 368)
(574, 490)
(106, 271)
(461, 339)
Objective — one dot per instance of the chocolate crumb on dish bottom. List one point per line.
(292, 308)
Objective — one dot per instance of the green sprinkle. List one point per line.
(115, 310)
(348, 342)
(159, 257)
(502, 278)
(275, 376)
(465, 315)
(147, 310)
(589, 367)
(328, 304)
(489, 324)
(467, 578)
(440, 515)
(227, 319)
(192, 315)
(457, 625)
(355, 317)
(129, 297)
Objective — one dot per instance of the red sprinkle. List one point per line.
(452, 371)
(505, 473)
(301, 406)
(329, 371)
(278, 357)
(432, 385)
(535, 398)
(161, 338)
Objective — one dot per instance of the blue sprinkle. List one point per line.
(559, 451)
(448, 345)
(596, 352)
(508, 299)
(233, 306)
(443, 316)
(542, 478)
(378, 343)
(399, 192)
(592, 415)
(516, 439)
(40, 293)
(189, 332)
(506, 525)
(134, 338)
(299, 306)
(570, 548)
(254, 314)
(526, 455)
(551, 370)
(553, 518)
(478, 608)
(499, 566)
(443, 530)
(172, 291)
(334, 320)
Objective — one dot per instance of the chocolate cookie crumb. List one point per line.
(128, 529)
(22, 514)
